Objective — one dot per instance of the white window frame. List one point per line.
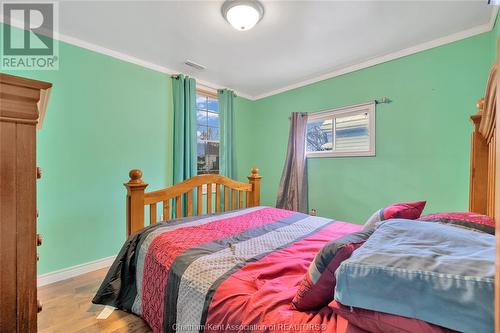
(346, 111)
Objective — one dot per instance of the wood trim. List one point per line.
(24, 82)
(42, 106)
(207, 92)
(497, 195)
(136, 197)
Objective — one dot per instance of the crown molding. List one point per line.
(137, 61)
(127, 58)
(341, 71)
(391, 56)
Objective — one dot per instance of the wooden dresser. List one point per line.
(19, 105)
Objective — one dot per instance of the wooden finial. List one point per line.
(254, 179)
(476, 118)
(135, 176)
(254, 173)
(480, 104)
(135, 201)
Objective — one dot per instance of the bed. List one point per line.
(217, 230)
(221, 262)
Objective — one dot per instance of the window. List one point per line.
(207, 119)
(346, 131)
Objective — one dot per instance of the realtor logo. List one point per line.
(28, 36)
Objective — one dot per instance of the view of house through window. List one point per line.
(207, 118)
(344, 132)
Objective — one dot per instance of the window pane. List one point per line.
(319, 135)
(201, 117)
(213, 119)
(201, 102)
(202, 133)
(212, 156)
(201, 150)
(207, 118)
(213, 105)
(352, 133)
(213, 133)
(202, 164)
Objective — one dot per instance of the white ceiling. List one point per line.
(296, 42)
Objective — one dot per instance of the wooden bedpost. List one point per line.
(254, 179)
(478, 188)
(135, 201)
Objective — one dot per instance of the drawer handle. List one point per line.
(39, 306)
(38, 173)
(39, 240)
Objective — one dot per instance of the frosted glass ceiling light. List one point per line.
(242, 14)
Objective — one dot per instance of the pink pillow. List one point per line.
(379, 322)
(468, 220)
(317, 288)
(403, 210)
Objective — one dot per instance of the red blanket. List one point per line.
(261, 292)
(231, 272)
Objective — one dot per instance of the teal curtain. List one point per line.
(184, 96)
(227, 161)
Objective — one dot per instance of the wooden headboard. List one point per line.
(183, 196)
(485, 161)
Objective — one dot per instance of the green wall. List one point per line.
(105, 117)
(422, 136)
(494, 35)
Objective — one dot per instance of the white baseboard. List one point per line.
(67, 273)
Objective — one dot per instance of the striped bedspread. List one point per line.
(236, 271)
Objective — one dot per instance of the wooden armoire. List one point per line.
(19, 114)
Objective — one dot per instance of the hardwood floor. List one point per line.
(67, 308)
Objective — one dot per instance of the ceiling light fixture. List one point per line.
(242, 14)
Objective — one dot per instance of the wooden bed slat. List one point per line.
(240, 195)
(209, 198)
(190, 203)
(166, 210)
(178, 207)
(226, 199)
(233, 199)
(199, 202)
(152, 213)
(217, 198)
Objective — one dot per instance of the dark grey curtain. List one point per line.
(292, 192)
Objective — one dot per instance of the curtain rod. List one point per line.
(381, 100)
(176, 76)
